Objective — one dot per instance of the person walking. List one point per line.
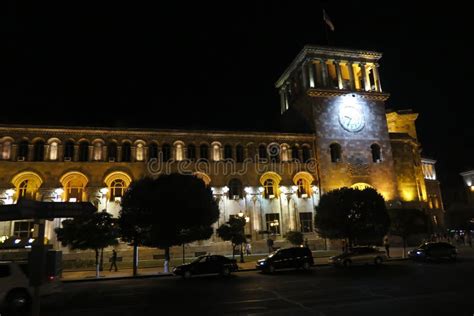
(386, 244)
(344, 245)
(113, 261)
(248, 248)
(270, 244)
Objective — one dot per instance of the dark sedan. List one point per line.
(293, 258)
(207, 265)
(434, 250)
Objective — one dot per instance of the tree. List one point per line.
(96, 231)
(294, 237)
(352, 214)
(233, 231)
(168, 211)
(407, 222)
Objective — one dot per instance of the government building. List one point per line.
(337, 133)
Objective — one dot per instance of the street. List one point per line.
(396, 288)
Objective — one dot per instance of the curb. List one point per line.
(171, 275)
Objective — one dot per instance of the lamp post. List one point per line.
(241, 215)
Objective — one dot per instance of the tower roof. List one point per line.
(314, 51)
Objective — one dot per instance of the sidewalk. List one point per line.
(320, 259)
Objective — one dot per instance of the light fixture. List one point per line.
(295, 188)
(10, 192)
(283, 189)
(104, 191)
(225, 189)
(58, 191)
(240, 214)
(248, 190)
(261, 189)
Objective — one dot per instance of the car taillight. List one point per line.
(51, 278)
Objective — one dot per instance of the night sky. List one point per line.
(214, 66)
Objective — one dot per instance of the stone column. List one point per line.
(133, 153)
(304, 76)
(338, 74)
(90, 154)
(351, 74)
(60, 152)
(31, 153)
(365, 76)
(324, 72)
(119, 153)
(76, 153)
(312, 75)
(282, 100)
(378, 85)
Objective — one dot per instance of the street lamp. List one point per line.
(247, 219)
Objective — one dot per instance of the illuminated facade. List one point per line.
(273, 179)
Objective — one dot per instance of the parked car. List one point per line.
(284, 258)
(434, 250)
(207, 265)
(359, 255)
(15, 289)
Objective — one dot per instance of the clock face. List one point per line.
(351, 119)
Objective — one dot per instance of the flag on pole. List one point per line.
(328, 20)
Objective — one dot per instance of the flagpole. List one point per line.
(325, 27)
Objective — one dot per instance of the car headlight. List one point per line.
(418, 252)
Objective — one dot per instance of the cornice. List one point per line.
(377, 96)
(134, 132)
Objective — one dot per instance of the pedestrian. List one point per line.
(306, 244)
(469, 240)
(386, 244)
(270, 244)
(113, 261)
(344, 246)
(248, 248)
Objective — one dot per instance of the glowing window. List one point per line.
(117, 189)
(53, 151)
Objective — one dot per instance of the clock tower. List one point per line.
(337, 94)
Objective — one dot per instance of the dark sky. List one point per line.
(214, 65)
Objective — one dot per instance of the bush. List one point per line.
(294, 237)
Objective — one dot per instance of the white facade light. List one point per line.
(225, 189)
(10, 192)
(261, 189)
(248, 190)
(104, 191)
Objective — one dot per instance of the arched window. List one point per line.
(6, 150)
(262, 153)
(27, 185)
(239, 153)
(140, 152)
(269, 189)
(306, 154)
(74, 184)
(153, 151)
(117, 182)
(295, 155)
(228, 152)
(97, 153)
(376, 157)
(112, 151)
(284, 153)
(84, 151)
(69, 151)
(303, 181)
(166, 152)
(23, 150)
(38, 151)
(216, 152)
(204, 177)
(117, 189)
(191, 152)
(126, 152)
(204, 151)
(179, 151)
(235, 189)
(270, 181)
(23, 190)
(274, 152)
(335, 152)
(53, 150)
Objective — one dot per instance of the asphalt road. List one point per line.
(396, 288)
